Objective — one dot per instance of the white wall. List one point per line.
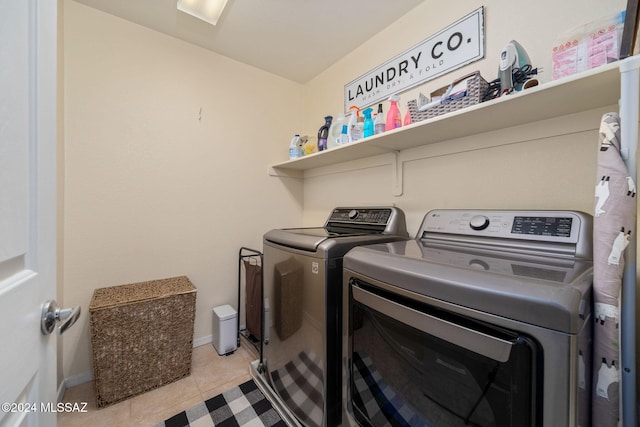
(525, 167)
(152, 189)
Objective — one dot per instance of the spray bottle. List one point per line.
(367, 129)
(355, 124)
(378, 122)
(407, 117)
(323, 133)
(394, 120)
(359, 127)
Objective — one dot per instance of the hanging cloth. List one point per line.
(253, 295)
(613, 223)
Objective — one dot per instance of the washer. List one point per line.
(483, 319)
(302, 365)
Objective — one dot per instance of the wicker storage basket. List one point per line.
(476, 89)
(141, 336)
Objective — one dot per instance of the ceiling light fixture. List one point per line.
(207, 10)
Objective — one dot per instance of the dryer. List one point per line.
(302, 366)
(483, 319)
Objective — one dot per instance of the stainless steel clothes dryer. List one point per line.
(483, 320)
(303, 285)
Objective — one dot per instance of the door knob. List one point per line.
(51, 314)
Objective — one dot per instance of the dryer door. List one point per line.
(413, 364)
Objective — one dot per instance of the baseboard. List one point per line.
(203, 340)
(78, 379)
(61, 389)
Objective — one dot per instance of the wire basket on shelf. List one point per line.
(476, 89)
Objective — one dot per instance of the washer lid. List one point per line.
(544, 291)
(323, 243)
(307, 239)
(346, 227)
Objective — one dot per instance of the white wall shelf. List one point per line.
(592, 89)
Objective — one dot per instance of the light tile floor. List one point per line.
(211, 375)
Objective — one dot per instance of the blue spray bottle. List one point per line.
(368, 123)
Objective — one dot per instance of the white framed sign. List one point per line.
(455, 46)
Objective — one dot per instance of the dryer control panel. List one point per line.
(564, 231)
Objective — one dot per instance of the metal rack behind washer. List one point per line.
(247, 253)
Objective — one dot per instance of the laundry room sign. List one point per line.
(459, 44)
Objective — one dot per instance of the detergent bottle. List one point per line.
(367, 129)
(394, 120)
(334, 131)
(344, 135)
(378, 122)
(323, 133)
(295, 151)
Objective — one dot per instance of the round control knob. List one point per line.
(479, 222)
(353, 214)
(478, 264)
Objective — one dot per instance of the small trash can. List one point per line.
(225, 334)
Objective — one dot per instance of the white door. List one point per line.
(27, 209)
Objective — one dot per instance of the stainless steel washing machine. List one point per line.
(302, 366)
(483, 320)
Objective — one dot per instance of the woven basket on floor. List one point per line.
(476, 89)
(141, 336)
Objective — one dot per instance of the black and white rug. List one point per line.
(244, 405)
(300, 385)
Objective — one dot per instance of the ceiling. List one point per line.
(295, 39)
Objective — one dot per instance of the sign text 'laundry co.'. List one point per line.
(459, 44)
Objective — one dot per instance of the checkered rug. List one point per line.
(300, 385)
(244, 405)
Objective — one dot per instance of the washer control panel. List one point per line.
(378, 216)
(372, 220)
(544, 226)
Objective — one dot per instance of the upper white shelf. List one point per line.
(591, 89)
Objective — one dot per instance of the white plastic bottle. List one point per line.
(344, 135)
(334, 131)
(294, 147)
(378, 122)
